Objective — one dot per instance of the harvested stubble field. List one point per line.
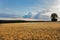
(30, 31)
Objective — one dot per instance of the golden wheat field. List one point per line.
(30, 31)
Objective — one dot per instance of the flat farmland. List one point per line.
(30, 31)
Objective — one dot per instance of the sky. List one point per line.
(19, 8)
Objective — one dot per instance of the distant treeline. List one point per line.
(20, 21)
(11, 21)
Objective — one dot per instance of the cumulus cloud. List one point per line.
(54, 8)
(29, 15)
(47, 8)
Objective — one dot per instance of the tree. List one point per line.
(54, 17)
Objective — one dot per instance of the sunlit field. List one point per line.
(30, 31)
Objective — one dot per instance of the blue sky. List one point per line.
(18, 7)
(22, 7)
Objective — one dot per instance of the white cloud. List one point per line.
(50, 6)
(55, 8)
